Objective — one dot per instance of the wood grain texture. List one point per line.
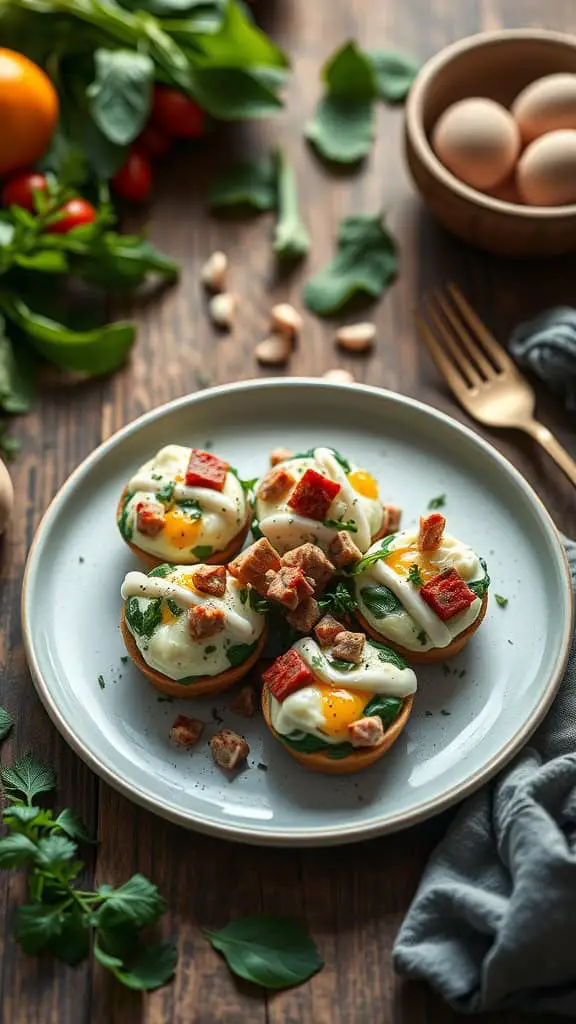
(353, 899)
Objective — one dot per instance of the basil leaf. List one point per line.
(162, 570)
(125, 527)
(154, 966)
(365, 264)
(233, 94)
(270, 951)
(387, 654)
(343, 125)
(380, 601)
(394, 74)
(387, 708)
(291, 239)
(239, 43)
(374, 556)
(246, 184)
(121, 94)
(239, 653)
(480, 587)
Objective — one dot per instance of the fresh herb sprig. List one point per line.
(438, 502)
(61, 918)
(271, 951)
(336, 524)
(414, 575)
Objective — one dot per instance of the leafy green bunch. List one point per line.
(61, 918)
(105, 56)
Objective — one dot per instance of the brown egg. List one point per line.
(546, 105)
(546, 174)
(478, 140)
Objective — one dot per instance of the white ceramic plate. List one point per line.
(469, 718)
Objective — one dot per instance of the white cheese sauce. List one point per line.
(171, 649)
(223, 513)
(407, 626)
(285, 529)
(303, 712)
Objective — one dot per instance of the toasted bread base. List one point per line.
(201, 686)
(363, 757)
(435, 654)
(218, 558)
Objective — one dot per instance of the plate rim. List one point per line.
(329, 835)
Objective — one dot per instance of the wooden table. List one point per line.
(352, 898)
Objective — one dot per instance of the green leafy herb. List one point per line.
(437, 502)
(387, 708)
(291, 239)
(257, 603)
(25, 778)
(202, 551)
(365, 264)
(274, 952)
(6, 723)
(414, 575)
(166, 493)
(246, 184)
(480, 587)
(120, 96)
(343, 125)
(338, 600)
(386, 653)
(394, 74)
(239, 653)
(422, 637)
(101, 682)
(243, 594)
(305, 743)
(336, 524)
(341, 459)
(143, 622)
(255, 529)
(174, 608)
(502, 601)
(191, 507)
(247, 485)
(162, 570)
(374, 556)
(340, 665)
(380, 601)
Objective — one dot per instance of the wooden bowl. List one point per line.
(497, 65)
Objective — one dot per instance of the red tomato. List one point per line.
(134, 179)
(18, 191)
(177, 114)
(153, 142)
(76, 212)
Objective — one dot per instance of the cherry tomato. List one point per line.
(177, 114)
(18, 191)
(153, 142)
(134, 179)
(76, 212)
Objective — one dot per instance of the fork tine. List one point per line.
(446, 368)
(471, 346)
(468, 371)
(500, 357)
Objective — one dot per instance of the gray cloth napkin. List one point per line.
(547, 345)
(493, 923)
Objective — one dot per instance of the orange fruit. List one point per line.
(28, 112)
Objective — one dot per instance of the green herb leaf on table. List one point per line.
(73, 826)
(274, 952)
(501, 601)
(153, 967)
(342, 129)
(394, 74)
(121, 94)
(6, 723)
(16, 851)
(26, 777)
(437, 502)
(365, 264)
(291, 238)
(137, 903)
(246, 184)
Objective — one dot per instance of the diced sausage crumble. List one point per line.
(150, 518)
(327, 630)
(252, 565)
(210, 579)
(204, 621)
(391, 521)
(366, 732)
(304, 617)
(343, 551)
(185, 731)
(349, 646)
(276, 484)
(245, 701)
(430, 532)
(228, 749)
(278, 455)
(289, 586)
(313, 562)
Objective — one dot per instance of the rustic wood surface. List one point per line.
(352, 898)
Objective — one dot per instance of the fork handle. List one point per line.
(550, 444)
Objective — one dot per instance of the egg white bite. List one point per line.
(426, 603)
(184, 506)
(189, 641)
(316, 721)
(344, 498)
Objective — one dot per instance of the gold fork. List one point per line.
(481, 374)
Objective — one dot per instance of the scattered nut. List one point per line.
(222, 308)
(278, 455)
(356, 337)
(213, 273)
(287, 319)
(273, 350)
(339, 376)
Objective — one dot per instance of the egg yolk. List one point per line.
(429, 562)
(363, 483)
(179, 530)
(340, 708)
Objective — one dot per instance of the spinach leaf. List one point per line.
(143, 623)
(305, 743)
(480, 587)
(291, 239)
(337, 524)
(387, 708)
(257, 603)
(121, 94)
(255, 529)
(162, 570)
(374, 556)
(191, 507)
(246, 184)
(380, 601)
(239, 43)
(387, 654)
(202, 551)
(365, 264)
(340, 665)
(233, 94)
(174, 608)
(125, 527)
(394, 74)
(240, 653)
(343, 125)
(274, 952)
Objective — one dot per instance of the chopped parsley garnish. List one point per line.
(124, 659)
(437, 502)
(101, 682)
(174, 608)
(422, 637)
(166, 493)
(502, 601)
(247, 485)
(337, 455)
(444, 712)
(191, 507)
(143, 623)
(162, 570)
(340, 665)
(338, 600)
(479, 587)
(210, 649)
(257, 603)
(156, 476)
(337, 524)
(414, 575)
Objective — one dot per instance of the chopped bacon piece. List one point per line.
(252, 565)
(447, 594)
(276, 484)
(366, 732)
(349, 646)
(204, 621)
(185, 731)
(228, 749)
(288, 586)
(206, 470)
(343, 551)
(245, 702)
(287, 674)
(327, 630)
(150, 518)
(278, 455)
(210, 579)
(313, 562)
(391, 521)
(431, 530)
(313, 495)
(305, 615)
